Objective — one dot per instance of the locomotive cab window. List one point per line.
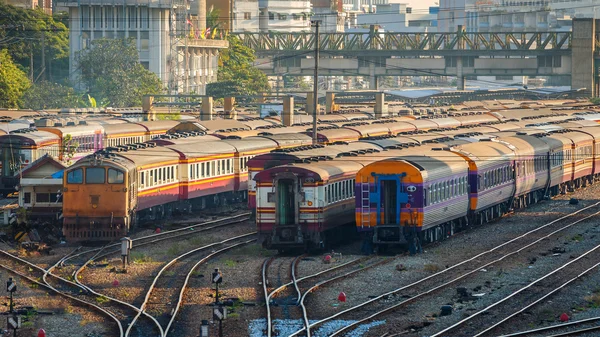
(94, 175)
(75, 176)
(115, 176)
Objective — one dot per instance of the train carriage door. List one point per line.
(286, 202)
(389, 197)
(389, 200)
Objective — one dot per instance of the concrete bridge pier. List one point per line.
(584, 66)
(460, 78)
(206, 111)
(309, 104)
(288, 111)
(381, 109)
(373, 83)
(329, 102)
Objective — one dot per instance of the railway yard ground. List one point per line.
(466, 293)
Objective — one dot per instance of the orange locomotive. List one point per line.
(105, 194)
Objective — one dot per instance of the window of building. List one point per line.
(144, 15)
(282, 17)
(94, 175)
(115, 176)
(27, 198)
(42, 197)
(75, 176)
(247, 16)
(144, 41)
(271, 16)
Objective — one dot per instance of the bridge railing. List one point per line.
(344, 42)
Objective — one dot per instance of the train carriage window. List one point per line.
(116, 176)
(172, 172)
(202, 170)
(228, 166)
(94, 175)
(75, 176)
(213, 172)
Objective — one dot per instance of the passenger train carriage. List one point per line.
(514, 170)
(302, 204)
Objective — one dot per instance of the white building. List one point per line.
(245, 16)
(285, 15)
(396, 17)
(158, 29)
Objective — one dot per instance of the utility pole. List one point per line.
(316, 23)
(43, 73)
(31, 62)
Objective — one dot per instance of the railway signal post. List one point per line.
(14, 323)
(219, 314)
(126, 245)
(11, 287)
(204, 329)
(217, 278)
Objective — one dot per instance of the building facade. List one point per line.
(285, 15)
(161, 34)
(44, 5)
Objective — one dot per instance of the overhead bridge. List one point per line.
(460, 54)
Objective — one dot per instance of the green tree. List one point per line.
(13, 81)
(48, 95)
(69, 148)
(24, 29)
(111, 71)
(212, 18)
(237, 75)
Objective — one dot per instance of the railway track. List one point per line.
(118, 312)
(426, 286)
(175, 276)
(572, 329)
(299, 287)
(166, 235)
(121, 312)
(526, 297)
(287, 302)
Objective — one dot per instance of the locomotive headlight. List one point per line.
(94, 206)
(309, 203)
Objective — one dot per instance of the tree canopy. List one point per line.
(48, 95)
(23, 30)
(111, 71)
(237, 75)
(13, 81)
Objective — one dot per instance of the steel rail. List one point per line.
(51, 288)
(189, 274)
(165, 267)
(553, 327)
(465, 262)
(531, 284)
(322, 283)
(166, 233)
(129, 305)
(227, 222)
(475, 270)
(265, 267)
(270, 295)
